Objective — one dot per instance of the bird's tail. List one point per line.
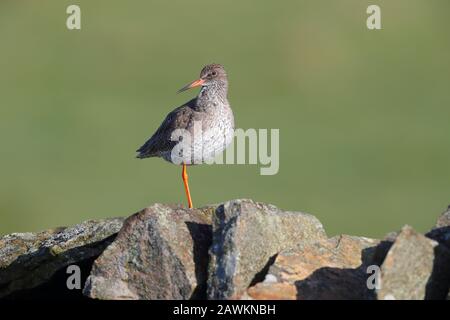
(142, 154)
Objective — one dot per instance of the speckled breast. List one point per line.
(205, 139)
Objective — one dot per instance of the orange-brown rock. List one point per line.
(326, 269)
(246, 237)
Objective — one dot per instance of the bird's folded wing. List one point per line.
(161, 141)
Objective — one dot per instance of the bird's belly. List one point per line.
(213, 142)
(203, 145)
(216, 143)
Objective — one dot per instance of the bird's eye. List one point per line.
(214, 73)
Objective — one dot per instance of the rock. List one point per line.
(383, 248)
(237, 250)
(247, 236)
(444, 219)
(441, 231)
(160, 253)
(271, 291)
(327, 269)
(415, 267)
(28, 260)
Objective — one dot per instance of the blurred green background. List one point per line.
(363, 115)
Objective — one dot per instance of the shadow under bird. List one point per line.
(197, 131)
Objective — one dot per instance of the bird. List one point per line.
(197, 131)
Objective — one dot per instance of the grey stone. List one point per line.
(239, 250)
(415, 268)
(441, 231)
(30, 259)
(247, 235)
(160, 253)
(444, 219)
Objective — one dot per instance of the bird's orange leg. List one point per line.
(186, 185)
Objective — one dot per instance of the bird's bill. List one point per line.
(193, 84)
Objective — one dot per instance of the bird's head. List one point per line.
(211, 74)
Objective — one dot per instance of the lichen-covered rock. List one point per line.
(238, 250)
(160, 253)
(246, 237)
(30, 259)
(415, 268)
(333, 268)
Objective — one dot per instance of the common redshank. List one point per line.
(203, 127)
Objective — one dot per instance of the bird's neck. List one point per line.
(214, 93)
